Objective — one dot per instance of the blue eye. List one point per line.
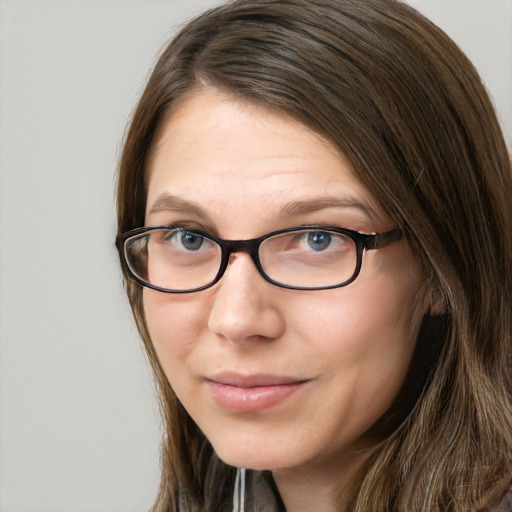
(191, 241)
(319, 240)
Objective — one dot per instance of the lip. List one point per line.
(252, 392)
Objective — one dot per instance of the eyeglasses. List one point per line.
(177, 260)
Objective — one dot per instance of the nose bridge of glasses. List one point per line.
(248, 246)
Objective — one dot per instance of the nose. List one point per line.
(245, 307)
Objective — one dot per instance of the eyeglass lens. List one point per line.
(176, 259)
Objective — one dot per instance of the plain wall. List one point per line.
(79, 427)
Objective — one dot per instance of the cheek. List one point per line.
(365, 342)
(365, 332)
(173, 324)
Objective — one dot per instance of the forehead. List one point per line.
(211, 120)
(224, 153)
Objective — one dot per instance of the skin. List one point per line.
(240, 164)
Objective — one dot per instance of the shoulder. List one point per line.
(505, 504)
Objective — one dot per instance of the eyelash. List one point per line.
(190, 225)
(198, 226)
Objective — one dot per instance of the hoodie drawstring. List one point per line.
(239, 492)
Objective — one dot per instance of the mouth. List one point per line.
(252, 392)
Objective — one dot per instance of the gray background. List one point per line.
(79, 428)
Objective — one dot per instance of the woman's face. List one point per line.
(275, 378)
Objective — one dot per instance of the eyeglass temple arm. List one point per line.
(383, 239)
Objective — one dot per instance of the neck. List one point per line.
(320, 487)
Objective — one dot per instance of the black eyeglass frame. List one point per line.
(251, 246)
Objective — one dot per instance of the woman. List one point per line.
(315, 227)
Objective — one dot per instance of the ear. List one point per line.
(436, 303)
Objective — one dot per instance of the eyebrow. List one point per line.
(167, 202)
(321, 203)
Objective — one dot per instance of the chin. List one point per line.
(250, 457)
(253, 463)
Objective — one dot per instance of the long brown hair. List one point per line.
(398, 97)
